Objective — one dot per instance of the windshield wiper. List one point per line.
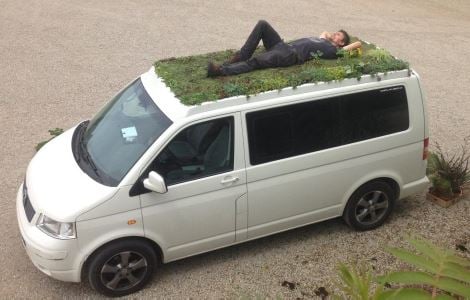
(77, 139)
(83, 153)
(80, 151)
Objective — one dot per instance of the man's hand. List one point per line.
(353, 46)
(325, 35)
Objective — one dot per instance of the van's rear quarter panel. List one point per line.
(319, 180)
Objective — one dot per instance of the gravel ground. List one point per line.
(62, 60)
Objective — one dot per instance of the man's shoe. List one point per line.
(213, 70)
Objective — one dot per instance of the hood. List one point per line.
(57, 186)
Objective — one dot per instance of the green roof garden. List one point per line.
(186, 76)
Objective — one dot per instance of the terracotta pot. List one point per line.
(444, 202)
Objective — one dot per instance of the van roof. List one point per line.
(180, 87)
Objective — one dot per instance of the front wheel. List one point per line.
(369, 206)
(122, 267)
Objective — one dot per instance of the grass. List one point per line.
(186, 76)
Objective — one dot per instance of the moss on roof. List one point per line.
(186, 76)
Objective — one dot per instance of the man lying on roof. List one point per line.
(278, 53)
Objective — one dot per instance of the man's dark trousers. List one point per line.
(278, 53)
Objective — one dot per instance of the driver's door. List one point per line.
(205, 205)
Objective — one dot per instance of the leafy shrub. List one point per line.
(379, 55)
(448, 173)
(441, 274)
(357, 283)
(384, 66)
(336, 73)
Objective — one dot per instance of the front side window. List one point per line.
(119, 134)
(200, 150)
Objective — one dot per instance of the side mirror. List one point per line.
(155, 183)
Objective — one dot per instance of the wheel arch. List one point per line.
(152, 243)
(391, 179)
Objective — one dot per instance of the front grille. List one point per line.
(28, 208)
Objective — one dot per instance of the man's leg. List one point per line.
(238, 67)
(262, 31)
(282, 55)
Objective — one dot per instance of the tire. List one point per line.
(369, 206)
(122, 267)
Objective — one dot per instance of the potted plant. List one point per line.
(448, 175)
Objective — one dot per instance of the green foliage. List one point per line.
(384, 66)
(442, 186)
(54, 132)
(441, 270)
(234, 89)
(335, 73)
(440, 274)
(259, 85)
(379, 55)
(357, 283)
(186, 76)
(316, 56)
(347, 54)
(448, 173)
(199, 97)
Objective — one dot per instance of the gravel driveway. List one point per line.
(61, 60)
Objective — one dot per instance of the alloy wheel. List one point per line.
(124, 271)
(371, 207)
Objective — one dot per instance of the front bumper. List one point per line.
(56, 258)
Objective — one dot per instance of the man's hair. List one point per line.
(346, 39)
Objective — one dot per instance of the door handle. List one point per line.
(229, 179)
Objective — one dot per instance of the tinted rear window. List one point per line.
(312, 126)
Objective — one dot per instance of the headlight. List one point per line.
(58, 230)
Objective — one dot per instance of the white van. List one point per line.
(149, 180)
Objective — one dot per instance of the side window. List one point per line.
(297, 129)
(292, 130)
(269, 135)
(316, 125)
(374, 113)
(198, 151)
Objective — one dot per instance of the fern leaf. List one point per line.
(453, 286)
(444, 297)
(356, 281)
(345, 274)
(456, 271)
(413, 259)
(446, 257)
(459, 260)
(406, 294)
(407, 277)
(426, 248)
(446, 284)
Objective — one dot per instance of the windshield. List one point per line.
(120, 133)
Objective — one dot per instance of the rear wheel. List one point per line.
(122, 267)
(369, 206)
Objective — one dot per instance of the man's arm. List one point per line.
(353, 46)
